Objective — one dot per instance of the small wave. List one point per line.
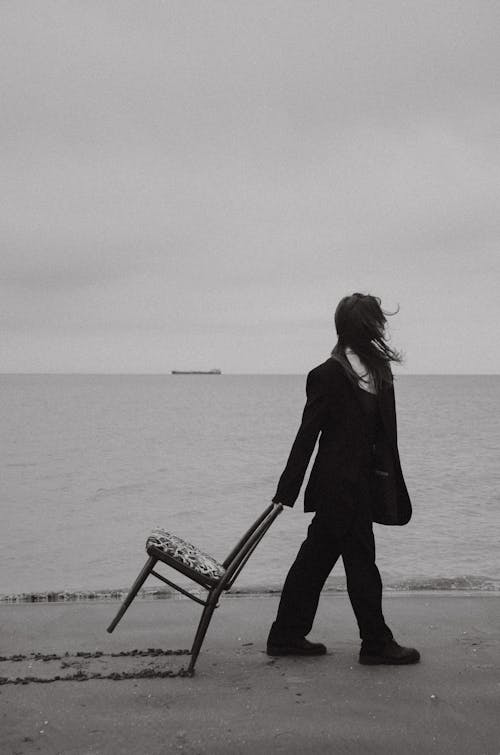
(21, 464)
(134, 487)
(465, 583)
(435, 584)
(95, 596)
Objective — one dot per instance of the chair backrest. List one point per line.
(242, 551)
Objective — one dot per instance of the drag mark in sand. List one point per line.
(97, 654)
(87, 666)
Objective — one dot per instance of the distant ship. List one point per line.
(214, 371)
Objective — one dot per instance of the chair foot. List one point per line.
(206, 617)
(143, 575)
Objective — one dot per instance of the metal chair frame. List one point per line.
(233, 564)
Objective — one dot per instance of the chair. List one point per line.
(216, 578)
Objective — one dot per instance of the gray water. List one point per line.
(90, 463)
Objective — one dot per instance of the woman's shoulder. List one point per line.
(331, 370)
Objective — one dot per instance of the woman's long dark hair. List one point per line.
(360, 322)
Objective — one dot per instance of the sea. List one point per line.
(91, 463)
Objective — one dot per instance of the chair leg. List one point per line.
(206, 617)
(143, 575)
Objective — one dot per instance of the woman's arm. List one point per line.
(313, 419)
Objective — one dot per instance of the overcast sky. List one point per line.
(196, 184)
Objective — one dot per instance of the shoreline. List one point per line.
(489, 589)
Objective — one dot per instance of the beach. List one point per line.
(240, 700)
(94, 462)
(209, 210)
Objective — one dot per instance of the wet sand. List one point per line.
(125, 692)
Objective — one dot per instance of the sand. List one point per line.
(240, 700)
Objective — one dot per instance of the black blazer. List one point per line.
(343, 476)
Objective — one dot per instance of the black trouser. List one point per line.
(316, 558)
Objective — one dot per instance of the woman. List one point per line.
(356, 479)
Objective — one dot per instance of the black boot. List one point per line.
(298, 646)
(391, 653)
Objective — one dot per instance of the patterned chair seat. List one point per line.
(187, 555)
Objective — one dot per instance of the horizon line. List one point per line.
(235, 374)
